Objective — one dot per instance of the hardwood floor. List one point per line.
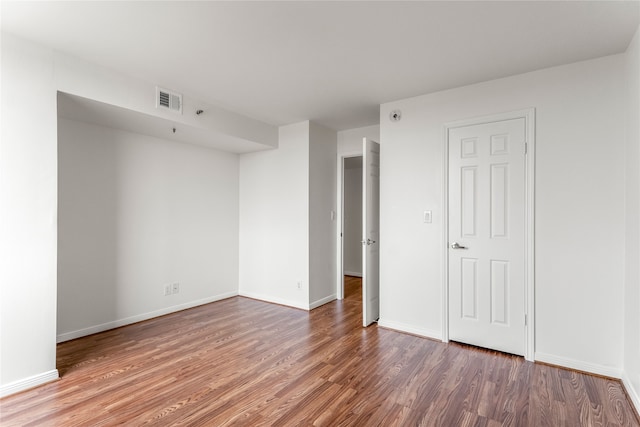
(246, 362)
(353, 289)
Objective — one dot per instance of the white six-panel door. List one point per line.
(370, 232)
(487, 235)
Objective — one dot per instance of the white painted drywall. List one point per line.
(322, 214)
(136, 213)
(352, 233)
(81, 78)
(631, 375)
(28, 208)
(350, 140)
(274, 220)
(286, 230)
(579, 206)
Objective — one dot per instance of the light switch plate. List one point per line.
(426, 217)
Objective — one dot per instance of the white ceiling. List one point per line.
(331, 62)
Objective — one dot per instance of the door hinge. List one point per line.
(526, 147)
(525, 320)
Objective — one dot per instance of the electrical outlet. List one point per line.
(175, 288)
(167, 290)
(299, 285)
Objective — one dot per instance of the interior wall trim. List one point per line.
(27, 383)
(579, 365)
(67, 336)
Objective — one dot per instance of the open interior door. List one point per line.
(370, 232)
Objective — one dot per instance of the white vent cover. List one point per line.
(169, 100)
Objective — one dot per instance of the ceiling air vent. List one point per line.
(169, 100)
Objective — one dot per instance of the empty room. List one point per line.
(421, 213)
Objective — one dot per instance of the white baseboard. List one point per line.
(578, 365)
(352, 273)
(275, 300)
(27, 383)
(322, 301)
(631, 391)
(410, 329)
(66, 336)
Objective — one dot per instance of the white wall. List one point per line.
(286, 230)
(81, 78)
(631, 376)
(352, 234)
(350, 140)
(579, 207)
(274, 220)
(322, 214)
(136, 213)
(28, 208)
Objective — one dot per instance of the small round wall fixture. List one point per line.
(395, 115)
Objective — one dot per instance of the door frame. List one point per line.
(529, 239)
(340, 231)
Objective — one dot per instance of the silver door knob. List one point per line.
(456, 245)
(367, 242)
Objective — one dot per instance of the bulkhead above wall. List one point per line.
(199, 129)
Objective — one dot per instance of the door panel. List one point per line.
(486, 235)
(468, 285)
(468, 208)
(499, 200)
(500, 292)
(370, 232)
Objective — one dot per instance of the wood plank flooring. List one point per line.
(249, 363)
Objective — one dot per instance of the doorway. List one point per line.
(358, 236)
(488, 286)
(351, 271)
(352, 217)
(350, 228)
